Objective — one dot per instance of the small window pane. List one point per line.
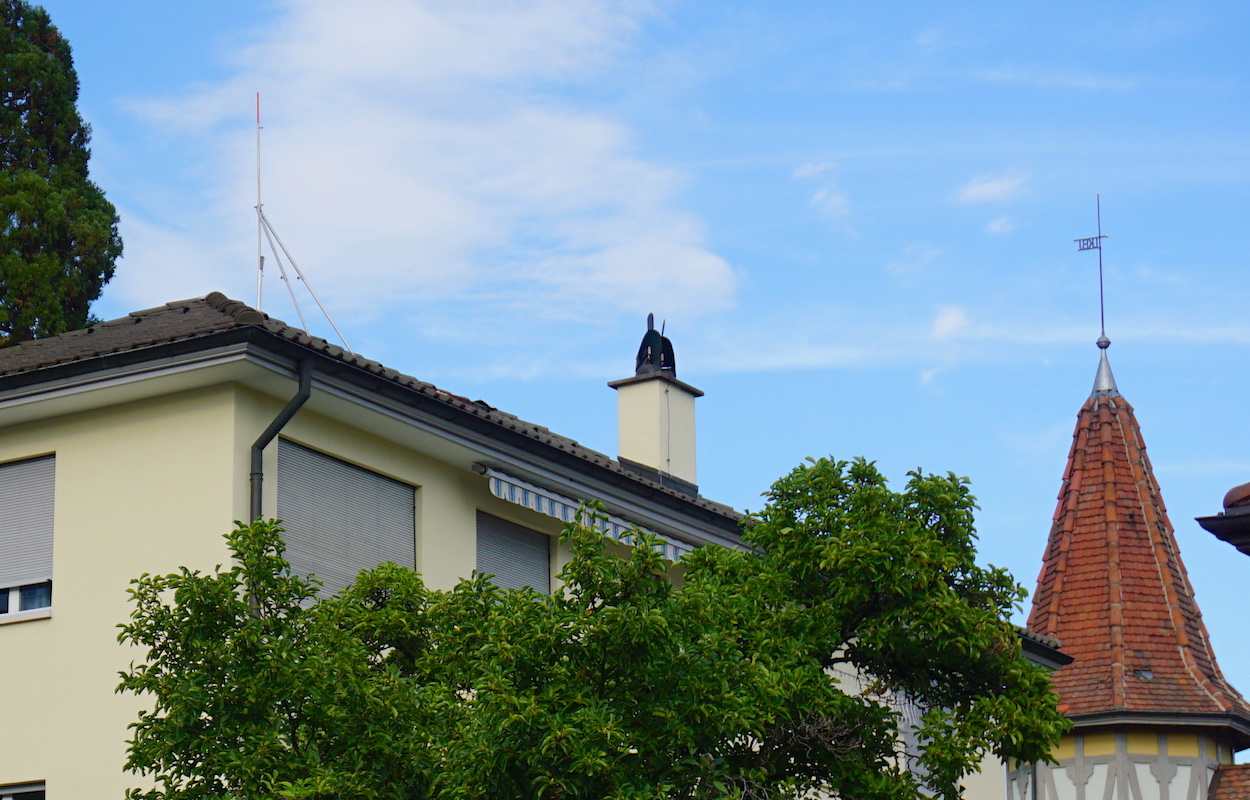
(4, 601)
(38, 595)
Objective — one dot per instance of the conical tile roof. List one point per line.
(1112, 586)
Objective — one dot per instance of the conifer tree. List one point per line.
(58, 233)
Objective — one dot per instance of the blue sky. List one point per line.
(857, 219)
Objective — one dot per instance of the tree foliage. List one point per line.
(725, 676)
(58, 234)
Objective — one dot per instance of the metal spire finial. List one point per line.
(1104, 381)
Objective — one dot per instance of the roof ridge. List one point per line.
(241, 312)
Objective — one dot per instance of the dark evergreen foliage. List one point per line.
(58, 234)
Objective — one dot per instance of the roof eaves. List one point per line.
(1042, 649)
(220, 320)
(527, 436)
(1238, 723)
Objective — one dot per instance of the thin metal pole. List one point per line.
(307, 285)
(265, 230)
(282, 272)
(260, 257)
(1102, 306)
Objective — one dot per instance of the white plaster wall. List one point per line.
(989, 782)
(656, 422)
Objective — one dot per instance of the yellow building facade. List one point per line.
(140, 432)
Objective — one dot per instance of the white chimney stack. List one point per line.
(655, 414)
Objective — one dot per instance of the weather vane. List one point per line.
(1095, 243)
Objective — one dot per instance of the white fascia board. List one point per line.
(124, 384)
(338, 398)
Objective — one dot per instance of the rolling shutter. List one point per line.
(341, 519)
(515, 555)
(26, 499)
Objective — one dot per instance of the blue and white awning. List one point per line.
(553, 504)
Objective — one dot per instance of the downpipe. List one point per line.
(279, 422)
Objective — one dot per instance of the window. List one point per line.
(341, 519)
(27, 791)
(514, 554)
(26, 493)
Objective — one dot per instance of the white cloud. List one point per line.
(893, 333)
(829, 200)
(399, 172)
(832, 203)
(1043, 78)
(811, 169)
(934, 40)
(916, 260)
(949, 322)
(992, 188)
(1000, 225)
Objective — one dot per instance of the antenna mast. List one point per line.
(1095, 243)
(260, 256)
(265, 231)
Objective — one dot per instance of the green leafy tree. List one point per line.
(725, 676)
(58, 234)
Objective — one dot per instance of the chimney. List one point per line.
(655, 413)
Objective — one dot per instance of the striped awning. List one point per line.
(554, 504)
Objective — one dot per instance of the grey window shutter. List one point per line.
(514, 554)
(341, 519)
(26, 500)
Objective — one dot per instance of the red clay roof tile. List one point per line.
(1231, 782)
(1113, 588)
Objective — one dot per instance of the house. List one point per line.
(1154, 718)
(132, 446)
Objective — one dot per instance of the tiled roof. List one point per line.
(200, 318)
(1231, 782)
(1040, 638)
(187, 319)
(1112, 586)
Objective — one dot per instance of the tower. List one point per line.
(1153, 716)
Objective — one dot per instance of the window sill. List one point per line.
(25, 616)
